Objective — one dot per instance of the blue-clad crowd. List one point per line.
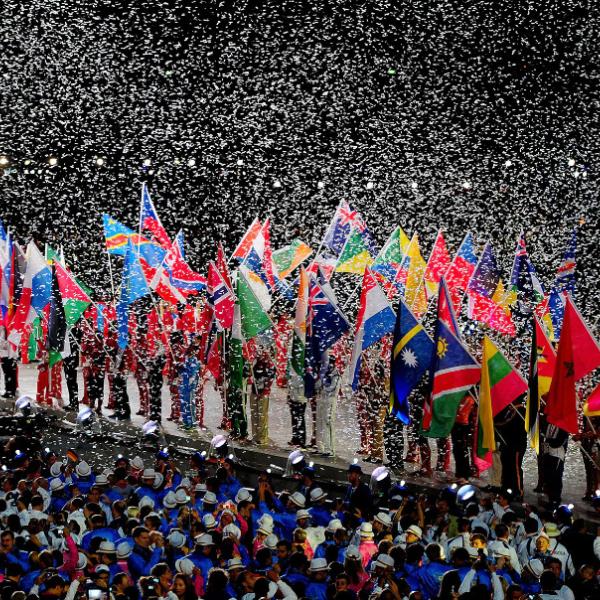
(137, 531)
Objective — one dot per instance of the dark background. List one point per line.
(303, 92)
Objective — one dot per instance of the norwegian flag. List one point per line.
(149, 219)
(220, 296)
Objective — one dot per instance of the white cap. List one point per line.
(184, 566)
(317, 494)
(83, 469)
(233, 531)
(318, 564)
(137, 463)
(158, 480)
(334, 525)
(101, 479)
(209, 521)
(384, 519)
(176, 539)
(210, 498)
(169, 500)
(536, 566)
(298, 499)
(265, 519)
(266, 529)
(123, 550)
(385, 561)
(242, 494)
(302, 514)
(270, 542)
(181, 497)
(353, 553)
(235, 563)
(146, 501)
(204, 539)
(415, 530)
(148, 473)
(366, 530)
(107, 548)
(56, 485)
(81, 561)
(55, 469)
(200, 488)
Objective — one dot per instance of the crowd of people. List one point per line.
(141, 530)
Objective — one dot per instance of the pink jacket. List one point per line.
(367, 549)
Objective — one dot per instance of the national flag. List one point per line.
(325, 319)
(221, 264)
(453, 372)
(116, 235)
(591, 406)
(460, 270)
(412, 352)
(220, 296)
(375, 319)
(323, 264)
(35, 293)
(298, 350)
(133, 287)
(3, 234)
(74, 298)
(150, 221)
(52, 256)
(57, 322)
(415, 294)
(254, 318)
(286, 259)
(526, 289)
(344, 220)
(445, 309)
(389, 259)
(561, 402)
(152, 259)
(486, 442)
(437, 265)
(178, 242)
(556, 308)
(483, 285)
(7, 279)
(586, 349)
(355, 255)
(245, 244)
(546, 359)
(565, 276)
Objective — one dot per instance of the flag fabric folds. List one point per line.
(289, 257)
(375, 319)
(57, 323)
(437, 265)
(149, 219)
(412, 351)
(453, 372)
(461, 269)
(326, 320)
(254, 319)
(133, 287)
(526, 289)
(220, 297)
(355, 255)
(298, 350)
(415, 293)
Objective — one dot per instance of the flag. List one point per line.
(556, 308)
(565, 276)
(57, 323)
(150, 221)
(178, 242)
(546, 359)
(375, 319)
(116, 235)
(561, 402)
(483, 286)
(591, 407)
(220, 297)
(236, 358)
(525, 286)
(389, 259)
(35, 293)
(445, 309)
(453, 372)
(415, 294)
(437, 265)
(355, 255)
(133, 287)
(412, 352)
(254, 318)
(286, 259)
(3, 234)
(75, 300)
(586, 349)
(245, 244)
(326, 321)
(52, 256)
(460, 270)
(486, 442)
(152, 259)
(344, 220)
(541, 367)
(7, 279)
(298, 351)
(221, 264)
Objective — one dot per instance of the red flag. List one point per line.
(437, 265)
(246, 242)
(446, 309)
(220, 297)
(585, 346)
(221, 263)
(561, 403)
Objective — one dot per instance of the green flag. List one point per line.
(254, 319)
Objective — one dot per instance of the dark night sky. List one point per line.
(303, 93)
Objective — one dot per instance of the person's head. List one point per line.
(587, 572)
(55, 586)
(542, 543)
(7, 541)
(553, 564)
(548, 581)
(434, 552)
(217, 580)
(501, 531)
(163, 573)
(244, 509)
(530, 525)
(183, 588)
(264, 558)
(341, 583)
(460, 557)
(261, 587)
(413, 534)
(14, 571)
(283, 550)
(354, 473)
(121, 582)
(514, 592)
(141, 536)
(503, 498)
(478, 541)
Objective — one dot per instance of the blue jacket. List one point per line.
(142, 560)
(106, 533)
(204, 563)
(316, 590)
(430, 578)
(320, 516)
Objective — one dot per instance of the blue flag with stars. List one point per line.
(411, 357)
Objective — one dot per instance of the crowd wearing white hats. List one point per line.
(133, 530)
